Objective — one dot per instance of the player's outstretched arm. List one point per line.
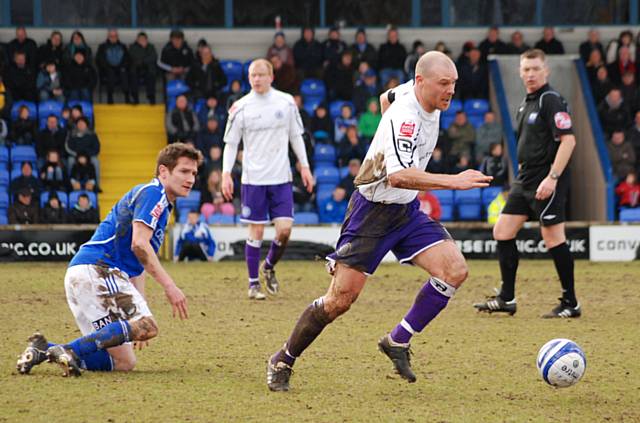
(141, 247)
(413, 178)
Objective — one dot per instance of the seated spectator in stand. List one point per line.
(362, 50)
(366, 87)
(52, 51)
(625, 39)
(75, 113)
(53, 212)
(438, 163)
(633, 135)
(52, 137)
(211, 199)
(613, 113)
(497, 204)
(492, 44)
(629, 191)
(176, 57)
(430, 205)
(463, 163)
(25, 180)
(235, 93)
(83, 174)
(212, 109)
(53, 175)
(517, 44)
(24, 44)
(206, 77)
(344, 121)
(321, 125)
(306, 119)
(592, 43)
(213, 161)
(623, 64)
(461, 135)
(21, 78)
(488, 133)
(392, 54)
(473, 77)
(83, 141)
(83, 211)
(332, 48)
(352, 147)
(592, 64)
(281, 49)
(495, 165)
(209, 136)
(5, 100)
(442, 48)
(182, 123)
(77, 44)
(113, 64)
(549, 43)
(621, 154)
(334, 209)
(417, 51)
(143, 68)
(369, 120)
(65, 116)
(347, 183)
(195, 241)
(308, 54)
(24, 129)
(391, 83)
(303, 200)
(284, 75)
(49, 83)
(629, 91)
(79, 78)
(602, 85)
(339, 78)
(25, 210)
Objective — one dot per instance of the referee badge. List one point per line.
(532, 118)
(562, 120)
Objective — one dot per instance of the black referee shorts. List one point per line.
(548, 212)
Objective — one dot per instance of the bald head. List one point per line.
(434, 62)
(435, 82)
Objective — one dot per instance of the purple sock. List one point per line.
(252, 257)
(275, 253)
(430, 301)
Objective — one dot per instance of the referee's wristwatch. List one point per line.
(553, 175)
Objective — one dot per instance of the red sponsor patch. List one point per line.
(562, 120)
(157, 211)
(407, 128)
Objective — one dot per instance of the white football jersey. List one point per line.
(265, 124)
(401, 90)
(406, 137)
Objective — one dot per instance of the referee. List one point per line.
(545, 144)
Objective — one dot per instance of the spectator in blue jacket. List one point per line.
(195, 241)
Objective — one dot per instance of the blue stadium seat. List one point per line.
(306, 218)
(4, 179)
(48, 108)
(444, 196)
(630, 215)
(476, 120)
(16, 172)
(233, 70)
(221, 219)
(23, 153)
(454, 107)
(324, 192)
(313, 89)
(387, 74)
(4, 200)
(331, 211)
(33, 110)
(73, 197)
(245, 70)
(344, 172)
(310, 105)
(324, 154)
(327, 175)
(191, 202)
(176, 87)
(335, 108)
(446, 121)
(446, 214)
(87, 107)
(476, 106)
(4, 220)
(469, 204)
(321, 136)
(62, 196)
(4, 157)
(182, 215)
(489, 194)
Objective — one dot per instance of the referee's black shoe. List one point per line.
(495, 304)
(399, 356)
(564, 310)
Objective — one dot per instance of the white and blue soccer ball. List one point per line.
(561, 363)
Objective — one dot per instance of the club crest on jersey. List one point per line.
(562, 120)
(157, 211)
(279, 114)
(407, 128)
(246, 211)
(532, 117)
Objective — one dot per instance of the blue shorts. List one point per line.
(264, 203)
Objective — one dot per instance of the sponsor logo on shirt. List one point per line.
(532, 117)
(407, 128)
(562, 120)
(100, 323)
(404, 145)
(157, 211)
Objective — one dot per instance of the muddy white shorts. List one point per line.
(100, 295)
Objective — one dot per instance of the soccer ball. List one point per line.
(561, 363)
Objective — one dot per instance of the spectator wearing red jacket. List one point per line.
(629, 191)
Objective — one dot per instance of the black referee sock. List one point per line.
(508, 258)
(563, 260)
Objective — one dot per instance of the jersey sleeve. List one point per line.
(296, 128)
(149, 206)
(399, 137)
(235, 125)
(556, 115)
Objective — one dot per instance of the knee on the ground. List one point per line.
(144, 329)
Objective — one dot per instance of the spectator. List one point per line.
(113, 65)
(392, 54)
(24, 44)
(284, 75)
(351, 148)
(629, 191)
(340, 78)
(281, 49)
(602, 85)
(49, 83)
(83, 141)
(417, 51)
(362, 50)
(202, 43)
(182, 123)
(77, 44)
(333, 209)
(344, 121)
(633, 135)
(195, 241)
(592, 43)
(65, 117)
(306, 119)
(442, 48)
(495, 165)
(83, 211)
(52, 51)
(625, 39)
(621, 154)
(549, 44)
(75, 114)
(211, 199)
(369, 120)
(490, 132)
(213, 162)
(321, 125)
(391, 83)
(517, 44)
(592, 64)
(176, 57)
(53, 175)
(79, 78)
(213, 109)
(5, 100)
(23, 130)
(308, 54)
(206, 77)
(25, 180)
(346, 186)
(492, 44)
(83, 174)
(209, 136)
(143, 68)
(52, 137)
(235, 94)
(25, 210)
(21, 78)
(303, 200)
(366, 87)
(430, 205)
(613, 113)
(53, 212)
(461, 135)
(497, 204)
(333, 48)
(473, 80)
(622, 65)
(437, 163)
(463, 163)
(629, 91)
